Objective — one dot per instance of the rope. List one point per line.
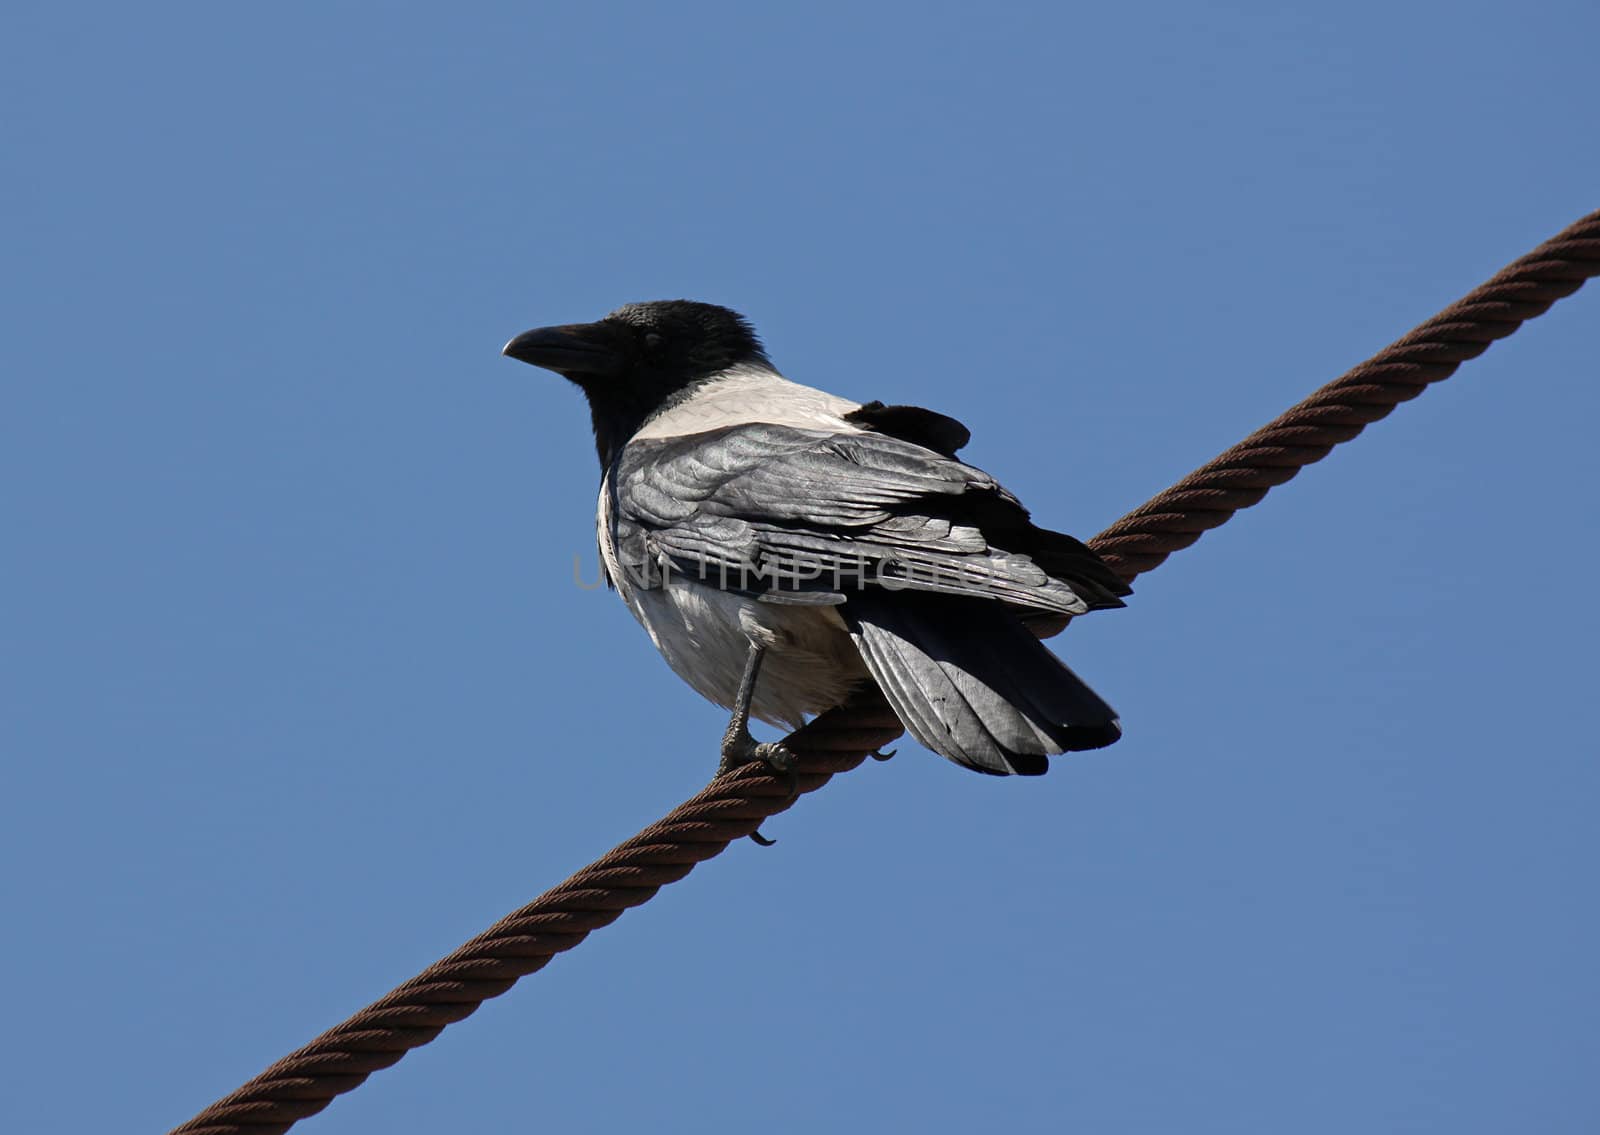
(727, 809)
(1239, 478)
(731, 807)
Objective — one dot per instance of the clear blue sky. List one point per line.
(300, 692)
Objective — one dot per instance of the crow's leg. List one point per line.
(738, 747)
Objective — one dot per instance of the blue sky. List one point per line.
(300, 692)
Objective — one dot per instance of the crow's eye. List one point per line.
(653, 342)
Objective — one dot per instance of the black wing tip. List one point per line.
(1072, 561)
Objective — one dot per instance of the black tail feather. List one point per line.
(973, 684)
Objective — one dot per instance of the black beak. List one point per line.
(576, 349)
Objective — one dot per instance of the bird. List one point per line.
(783, 547)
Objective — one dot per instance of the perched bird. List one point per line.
(782, 546)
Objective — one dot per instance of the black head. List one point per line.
(641, 359)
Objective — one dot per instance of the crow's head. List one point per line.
(641, 358)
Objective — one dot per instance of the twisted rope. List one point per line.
(731, 807)
(1240, 477)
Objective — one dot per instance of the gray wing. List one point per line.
(795, 515)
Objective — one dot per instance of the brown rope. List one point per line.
(1339, 411)
(727, 809)
(305, 1081)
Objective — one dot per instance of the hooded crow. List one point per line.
(782, 546)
